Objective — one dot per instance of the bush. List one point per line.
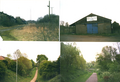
(3, 69)
(12, 66)
(48, 69)
(106, 76)
(22, 69)
(115, 77)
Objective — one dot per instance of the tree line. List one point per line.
(22, 63)
(53, 19)
(7, 20)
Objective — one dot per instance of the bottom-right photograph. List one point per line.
(90, 62)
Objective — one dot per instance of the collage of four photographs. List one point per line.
(59, 41)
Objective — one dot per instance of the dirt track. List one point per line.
(92, 78)
(35, 77)
(90, 38)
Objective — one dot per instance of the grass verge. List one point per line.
(6, 35)
(28, 78)
(76, 76)
(10, 76)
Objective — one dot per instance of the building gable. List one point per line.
(92, 18)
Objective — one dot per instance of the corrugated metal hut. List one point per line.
(93, 24)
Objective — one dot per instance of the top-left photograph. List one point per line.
(29, 20)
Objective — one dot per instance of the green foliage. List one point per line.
(3, 69)
(22, 69)
(116, 27)
(114, 67)
(48, 69)
(20, 21)
(70, 60)
(26, 62)
(105, 58)
(46, 19)
(41, 58)
(33, 63)
(12, 66)
(117, 57)
(7, 20)
(56, 79)
(108, 63)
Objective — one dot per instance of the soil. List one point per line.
(90, 38)
(35, 77)
(92, 78)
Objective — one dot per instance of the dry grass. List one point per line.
(36, 33)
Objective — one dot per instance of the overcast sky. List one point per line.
(90, 49)
(73, 10)
(31, 48)
(22, 8)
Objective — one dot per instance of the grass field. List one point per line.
(32, 32)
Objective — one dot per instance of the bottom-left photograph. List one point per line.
(29, 61)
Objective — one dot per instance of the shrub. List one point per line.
(22, 69)
(115, 77)
(12, 66)
(2, 70)
(106, 76)
(47, 69)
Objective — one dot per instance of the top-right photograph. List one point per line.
(90, 20)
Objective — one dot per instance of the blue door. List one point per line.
(89, 28)
(95, 28)
(92, 28)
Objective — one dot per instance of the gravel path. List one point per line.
(92, 78)
(35, 77)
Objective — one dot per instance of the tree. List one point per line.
(62, 23)
(106, 57)
(33, 63)
(48, 69)
(117, 45)
(41, 58)
(17, 54)
(116, 26)
(66, 24)
(70, 58)
(26, 62)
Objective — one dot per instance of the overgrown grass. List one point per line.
(76, 76)
(36, 33)
(10, 76)
(100, 79)
(28, 78)
(83, 77)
